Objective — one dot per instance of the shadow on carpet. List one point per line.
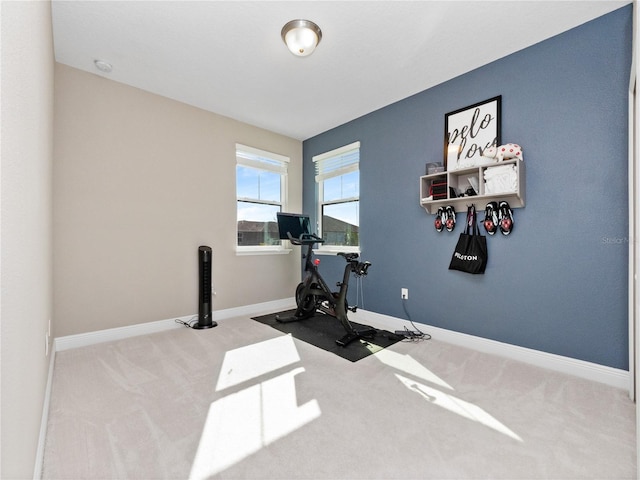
(322, 331)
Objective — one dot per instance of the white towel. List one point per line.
(472, 162)
(500, 179)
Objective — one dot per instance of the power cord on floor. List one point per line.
(189, 323)
(411, 335)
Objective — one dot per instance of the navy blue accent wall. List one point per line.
(558, 283)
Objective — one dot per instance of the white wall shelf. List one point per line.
(462, 179)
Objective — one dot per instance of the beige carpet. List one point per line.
(243, 401)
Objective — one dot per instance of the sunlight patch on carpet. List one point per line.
(408, 364)
(246, 363)
(458, 406)
(243, 422)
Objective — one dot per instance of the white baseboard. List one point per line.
(591, 371)
(255, 309)
(100, 336)
(44, 421)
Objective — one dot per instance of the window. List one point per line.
(338, 181)
(261, 192)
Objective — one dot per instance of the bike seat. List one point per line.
(349, 257)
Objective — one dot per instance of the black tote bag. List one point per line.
(470, 255)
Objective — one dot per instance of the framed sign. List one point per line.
(469, 131)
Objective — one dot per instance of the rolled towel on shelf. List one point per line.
(500, 179)
(477, 161)
(499, 170)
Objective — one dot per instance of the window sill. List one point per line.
(334, 250)
(261, 251)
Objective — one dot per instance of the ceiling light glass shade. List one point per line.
(301, 36)
(103, 66)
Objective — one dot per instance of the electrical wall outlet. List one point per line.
(404, 293)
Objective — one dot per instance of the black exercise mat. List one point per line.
(322, 331)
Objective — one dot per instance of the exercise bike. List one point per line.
(313, 293)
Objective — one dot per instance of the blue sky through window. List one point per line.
(261, 185)
(347, 212)
(343, 187)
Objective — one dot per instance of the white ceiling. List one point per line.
(227, 57)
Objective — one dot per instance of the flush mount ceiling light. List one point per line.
(103, 66)
(301, 36)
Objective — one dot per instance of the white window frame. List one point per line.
(250, 157)
(320, 178)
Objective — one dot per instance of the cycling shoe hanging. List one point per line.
(506, 218)
(439, 222)
(491, 218)
(450, 222)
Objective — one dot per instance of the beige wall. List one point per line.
(26, 160)
(140, 181)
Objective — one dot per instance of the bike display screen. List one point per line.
(294, 223)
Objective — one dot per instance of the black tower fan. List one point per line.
(205, 311)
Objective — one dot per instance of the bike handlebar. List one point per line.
(305, 239)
